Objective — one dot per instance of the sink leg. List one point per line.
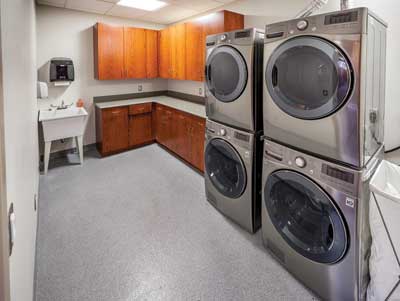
(47, 147)
(79, 145)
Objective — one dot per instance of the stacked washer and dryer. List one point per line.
(233, 149)
(319, 112)
(324, 83)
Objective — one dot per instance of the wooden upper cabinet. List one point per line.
(178, 51)
(164, 53)
(135, 52)
(223, 21)
(233, 21)
(151, 53)
(108, 52)
(195, 51)
(125, 52)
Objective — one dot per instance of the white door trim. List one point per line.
(4, 236)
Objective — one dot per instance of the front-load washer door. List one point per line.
(308, 77)
(305, 216)
(226, 73)
(225, 168)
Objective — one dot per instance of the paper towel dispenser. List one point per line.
(61, 69)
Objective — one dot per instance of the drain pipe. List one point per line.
(311, 8)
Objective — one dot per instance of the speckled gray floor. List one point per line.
(136, 226)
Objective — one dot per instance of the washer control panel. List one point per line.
(339, 177)
(234, 136)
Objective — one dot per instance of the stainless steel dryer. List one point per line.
(233, 78)
(233, 174)
(315, 220)
(324, 84)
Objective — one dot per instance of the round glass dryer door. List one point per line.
(305, 217)
(225, 168)
(308, 77)
(226, 73)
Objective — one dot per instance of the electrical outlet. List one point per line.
(140, 88)
(200, 91)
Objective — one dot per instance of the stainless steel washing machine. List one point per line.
(324, 84)
(233, 165)
(315, 220)
(233, 78)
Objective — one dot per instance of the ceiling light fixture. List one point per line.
(148, 5)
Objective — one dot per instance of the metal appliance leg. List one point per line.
(47, 148)
(79, 145)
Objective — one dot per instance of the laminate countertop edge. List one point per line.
(175, 103)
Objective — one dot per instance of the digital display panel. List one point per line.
(341, 18)
(242, 137)
(242, 34)
(338, 174)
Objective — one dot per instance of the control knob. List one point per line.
(302, 25)
(222, 132)
(223, 37)
(300, 162)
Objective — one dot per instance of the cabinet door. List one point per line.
(214, 23)
(115, 129)
(135, 52)
(151, 53)
(167, 129)
(195, 51)
(109, 52)
(140, 129)
(183, 136)
(165, 53)
(157, 122)
(233, 21)
(197, 143)
(178, 51)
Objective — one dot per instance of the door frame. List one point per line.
(4, 236)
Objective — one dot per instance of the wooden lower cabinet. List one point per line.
(113, 130)
(140, 129)
(197, 143)
(183, 134)
(122, 128)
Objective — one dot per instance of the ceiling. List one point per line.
(176, 10)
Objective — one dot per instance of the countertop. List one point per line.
(179, 104)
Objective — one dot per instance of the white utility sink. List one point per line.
(60, 124)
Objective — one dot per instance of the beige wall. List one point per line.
(18, 41)
(68, 33)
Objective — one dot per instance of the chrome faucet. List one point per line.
(63, 106)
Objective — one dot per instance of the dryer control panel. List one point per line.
(351, 21)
